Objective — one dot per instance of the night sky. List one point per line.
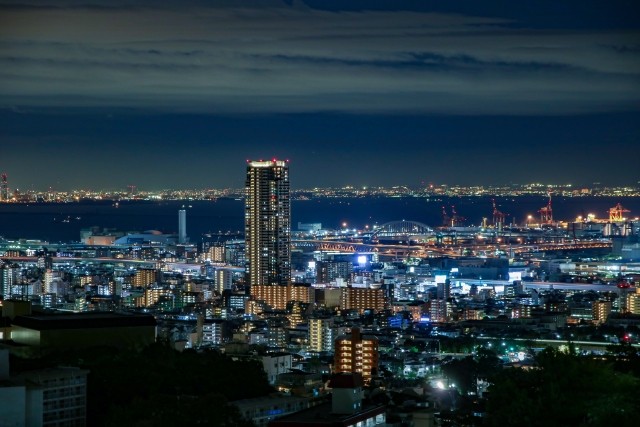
(102, 94)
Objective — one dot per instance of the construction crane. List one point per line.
(616, 213)
(546, 212)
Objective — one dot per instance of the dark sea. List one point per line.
(62, 222)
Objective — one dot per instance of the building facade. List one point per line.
(600, 311)
(321, 334)
(362, 299)
(328, 271)
(633, 302)
(277, 297)
(356, 353)
(267, 223)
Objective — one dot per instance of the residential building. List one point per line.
(601, 311)
(356, 353)
(267, 223)
(321, 334)
(362, 299)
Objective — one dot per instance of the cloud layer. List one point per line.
(295, 59)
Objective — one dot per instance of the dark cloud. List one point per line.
(178, 94)
(295, 59)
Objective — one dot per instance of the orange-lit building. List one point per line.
(362, 299)
(356, 353)
(601, 311)
(144, 277)
(633, 302)
(277, 296)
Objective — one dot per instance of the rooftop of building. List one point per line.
(363, 337)
(321, 415)
(83, 321)
(39, 375)
(346, 380)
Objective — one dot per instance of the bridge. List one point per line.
(423, 250)
(403, 230)
(359, 247)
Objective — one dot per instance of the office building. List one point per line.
(356, 353)
(267, 223)
(329, 271)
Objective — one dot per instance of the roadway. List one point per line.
(539, 285)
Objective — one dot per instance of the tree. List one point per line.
(564, 390)
(159, 410)
(462, 373)
(157, 385)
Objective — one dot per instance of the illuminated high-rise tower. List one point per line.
(267, 222)
(4, 188)
(182, 226)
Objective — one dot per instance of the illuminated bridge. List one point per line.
(408, 230)
(357, 247)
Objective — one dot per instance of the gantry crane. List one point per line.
(546, 212)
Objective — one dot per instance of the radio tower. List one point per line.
(4, 188)
(546, 213)
(616, 213)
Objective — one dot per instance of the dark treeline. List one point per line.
(160, 386)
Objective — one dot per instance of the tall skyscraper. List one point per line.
(267, 223)
(4, 188)
(182, 226)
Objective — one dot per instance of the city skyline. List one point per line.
(352, 93)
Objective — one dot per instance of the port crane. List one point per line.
(616, 213)
(498, 217)
(546, 212)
